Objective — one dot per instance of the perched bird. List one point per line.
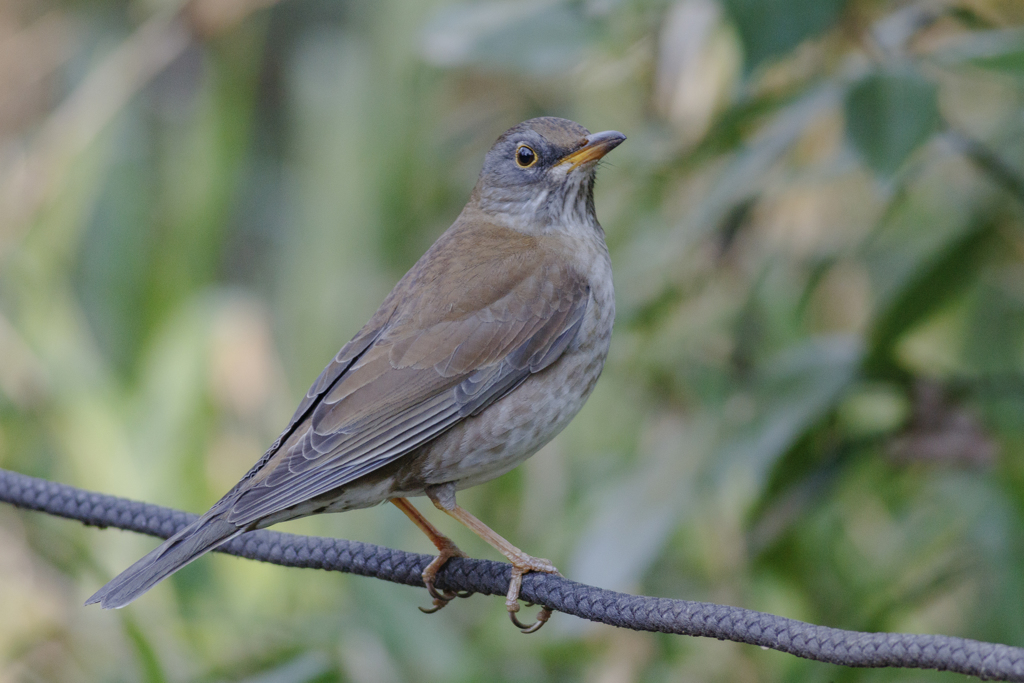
(481, 354)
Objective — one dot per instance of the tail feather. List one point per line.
(191, 543)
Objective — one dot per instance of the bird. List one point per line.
(484, 351)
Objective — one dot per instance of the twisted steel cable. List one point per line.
(848, 648)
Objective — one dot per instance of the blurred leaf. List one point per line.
(990, 162)
(636, 514)
(800, 481)
(305, 668)
(998, 50)
(1012, 62)
(207, 101)
(535, 38)
(971, 18)
(873, 409)
(732, 126)
(146, 653)
(116, 248)
(793, 391)
(940, 278)
(770, 28)
(738, 180)
(995, 329)
(888, 115)
(884, 559)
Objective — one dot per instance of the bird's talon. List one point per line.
(542, 618)
(514, 586)
(446, 596)
(446, 551)
(438, 604)
(441, 598)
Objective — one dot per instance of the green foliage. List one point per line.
(813, 404)
(889, 115)
(771, 28)
(1000, 50)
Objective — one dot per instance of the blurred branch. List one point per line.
(892, 33)
(23, 376)
(988, 162)
(33, 179)
(36, 176)
(683, 617)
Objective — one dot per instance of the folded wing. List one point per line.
(428, 366)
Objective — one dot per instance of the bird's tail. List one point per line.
(195, 540)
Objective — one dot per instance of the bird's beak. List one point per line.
(594, 147)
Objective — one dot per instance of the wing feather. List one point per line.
(416, 370)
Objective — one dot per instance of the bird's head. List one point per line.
(541, 173)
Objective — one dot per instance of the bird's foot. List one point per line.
(521, 565)
(446, 550)
(443, 498)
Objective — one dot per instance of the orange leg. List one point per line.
(446, 549)
(444, 499)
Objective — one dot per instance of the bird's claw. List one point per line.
(442, 599)
(439, 602)
(446, 596)
(430, 573)
(542, 618)
(515, 584)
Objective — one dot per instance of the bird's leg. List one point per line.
(443, 498)
(446, 549)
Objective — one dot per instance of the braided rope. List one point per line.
(836, 646)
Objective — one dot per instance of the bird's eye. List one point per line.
(525, 156)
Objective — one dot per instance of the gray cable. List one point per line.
(848, 648)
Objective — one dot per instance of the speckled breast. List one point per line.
(515, 427)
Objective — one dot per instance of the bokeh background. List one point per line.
(814, 403)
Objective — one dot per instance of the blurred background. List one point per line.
(814, 403)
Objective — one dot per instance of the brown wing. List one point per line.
(327, 378)
(465, 332)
